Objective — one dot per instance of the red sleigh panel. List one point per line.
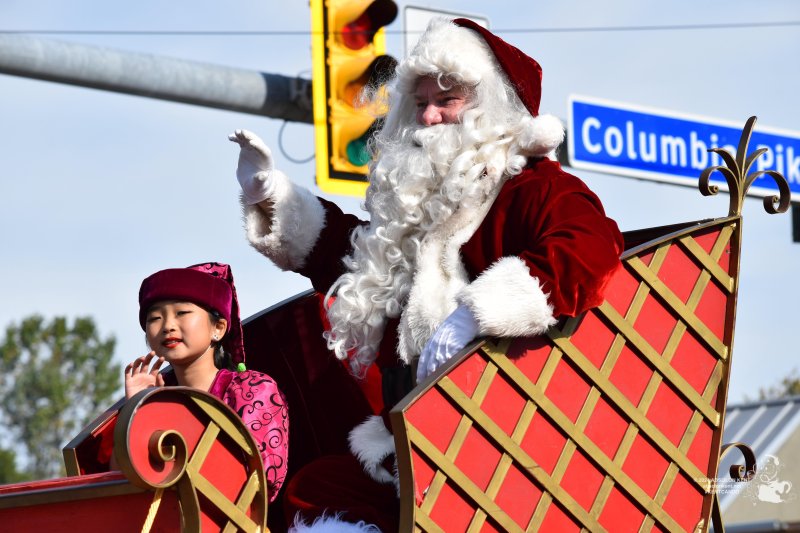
(187, 463)
(610, 422)
(95, 503)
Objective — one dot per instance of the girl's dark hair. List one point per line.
(222, 359)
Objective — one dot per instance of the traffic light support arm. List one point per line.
(163, 78)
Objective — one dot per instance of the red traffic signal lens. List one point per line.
(359, 33)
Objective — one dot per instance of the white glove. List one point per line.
(453, 334)
(256, 169)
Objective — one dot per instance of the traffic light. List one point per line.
(348, 55)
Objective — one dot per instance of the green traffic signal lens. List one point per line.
(357, 153)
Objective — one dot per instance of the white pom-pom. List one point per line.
(538, 136)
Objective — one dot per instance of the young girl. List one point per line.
(191, 320)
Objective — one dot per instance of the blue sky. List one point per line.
(101, 189)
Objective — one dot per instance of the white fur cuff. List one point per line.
(331, 524)
(297, 221)
(507, 301)
(371, 443)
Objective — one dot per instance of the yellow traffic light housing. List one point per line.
(348, 54)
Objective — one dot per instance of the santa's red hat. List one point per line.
(465, 52)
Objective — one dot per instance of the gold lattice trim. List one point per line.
(499, 367)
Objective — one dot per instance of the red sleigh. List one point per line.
(186, 461)
(612, 421)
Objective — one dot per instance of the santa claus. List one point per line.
(473, 231)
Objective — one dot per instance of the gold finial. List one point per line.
(735, 172)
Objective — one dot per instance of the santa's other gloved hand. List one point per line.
(452, 335)
(255, 170)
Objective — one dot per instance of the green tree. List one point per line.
(789, 385)
(8, 468)
(56, 377)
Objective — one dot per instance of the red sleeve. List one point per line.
(323, 266)
(558, 227)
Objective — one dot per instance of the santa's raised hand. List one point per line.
(255, 170)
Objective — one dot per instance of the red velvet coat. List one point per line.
(545, 216)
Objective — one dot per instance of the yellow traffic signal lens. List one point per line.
(375, 75)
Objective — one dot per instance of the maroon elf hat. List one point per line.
(209, 285)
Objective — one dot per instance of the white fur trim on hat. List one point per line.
(446, 49)
(539, 136)
(371, 443)
(331, 524)
(507, 301)
(297, 220)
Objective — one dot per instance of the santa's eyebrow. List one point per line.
(437, 94)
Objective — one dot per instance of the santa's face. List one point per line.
(437, 105)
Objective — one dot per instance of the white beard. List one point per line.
(428, 194)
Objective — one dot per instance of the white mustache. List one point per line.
(424, 136)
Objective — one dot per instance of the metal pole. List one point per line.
(795, 222)
(189, 82)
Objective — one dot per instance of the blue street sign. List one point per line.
(672, 147)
